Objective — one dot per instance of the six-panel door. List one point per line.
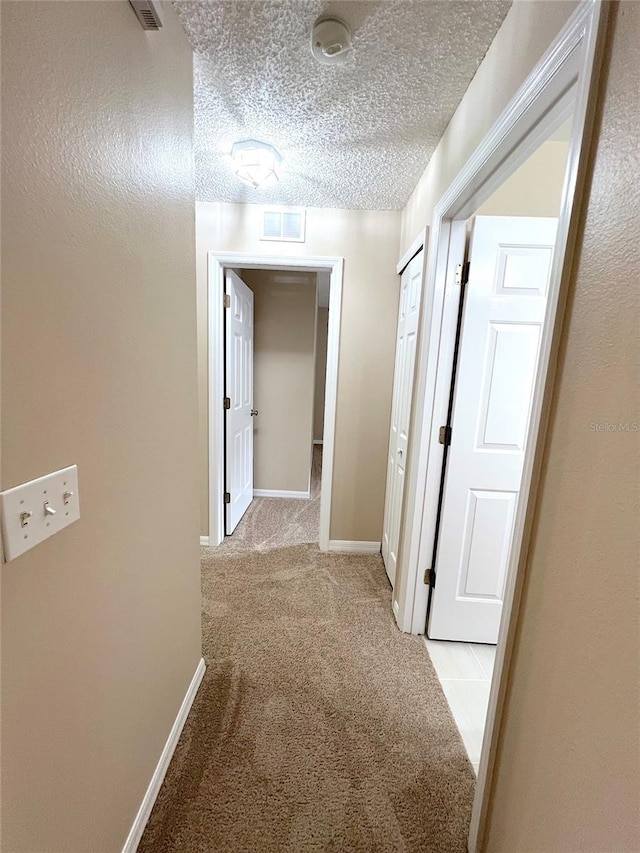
(504, 311)
(239, 391)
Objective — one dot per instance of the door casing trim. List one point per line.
(216, 264)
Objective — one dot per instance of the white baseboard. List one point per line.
(204, 541)
(135, 833)
(318, 441)
(347, 546)
(274, 493)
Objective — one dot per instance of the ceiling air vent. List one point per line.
(284, 224)
(148, 12)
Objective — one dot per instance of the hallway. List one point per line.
(318, 726)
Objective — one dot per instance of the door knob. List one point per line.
(254, 412)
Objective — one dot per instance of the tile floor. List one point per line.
(465, 671)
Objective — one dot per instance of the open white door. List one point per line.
(239, 400)
(504, 310)
(408, 313)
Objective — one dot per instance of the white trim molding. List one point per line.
(276, 493)
(348, 546)
(217, 262)
(204, 542)
(135, 833)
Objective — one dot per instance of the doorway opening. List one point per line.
(281, 430)
(510, 242)
(275, 372)
(494, 517)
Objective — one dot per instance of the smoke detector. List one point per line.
(330, 40)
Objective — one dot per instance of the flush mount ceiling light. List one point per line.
(330, 40)
(256, 163)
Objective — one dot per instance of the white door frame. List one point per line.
(561, 85)
(216, 263)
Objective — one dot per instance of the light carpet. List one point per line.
(273, 523)
(318, 725)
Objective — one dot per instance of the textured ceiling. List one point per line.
(355, 135)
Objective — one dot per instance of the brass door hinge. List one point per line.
(227, 301)
(227, 498)
(227, 402)
(444, 435)
(429, 577)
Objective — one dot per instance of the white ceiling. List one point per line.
(357, 135)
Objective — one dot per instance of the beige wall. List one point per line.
(526, 32)
(283, 378)
(535, 189)
(368, 241)
(568, 768)
(101, 623)
(320, 373)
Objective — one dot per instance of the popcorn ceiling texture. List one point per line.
(357, 135)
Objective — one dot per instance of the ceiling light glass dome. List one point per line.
(256, 163)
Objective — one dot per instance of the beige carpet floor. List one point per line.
(318, 726)
(273, 523)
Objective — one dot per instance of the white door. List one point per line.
(504, 308)
(408, 312)
(239, 394)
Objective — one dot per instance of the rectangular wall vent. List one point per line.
(284, 224)
(148, 12)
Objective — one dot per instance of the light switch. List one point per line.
(38, 509)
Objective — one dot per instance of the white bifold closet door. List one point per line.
(504, 311)
(408, 315)
(239, 394)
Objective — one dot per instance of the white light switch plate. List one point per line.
(53, 504)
